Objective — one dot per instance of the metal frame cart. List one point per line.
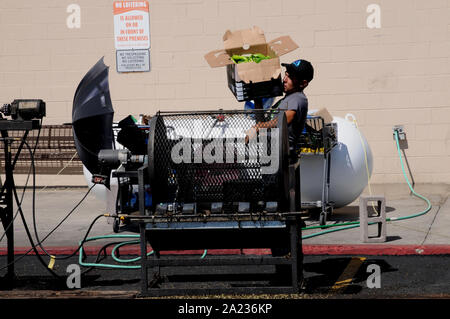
(240, 229)
(319, 138)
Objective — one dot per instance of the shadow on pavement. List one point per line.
(328, 271)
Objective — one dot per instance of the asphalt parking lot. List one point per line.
(325, 277)
(413, 262)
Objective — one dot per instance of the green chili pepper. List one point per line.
(239, 59)
(256, 57)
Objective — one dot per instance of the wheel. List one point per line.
(116, 225)
(323, 219)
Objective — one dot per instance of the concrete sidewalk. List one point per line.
(431, 228)
(427, 234)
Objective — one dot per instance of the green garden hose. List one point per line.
(131, 242)
(113, 253)
(80, 255)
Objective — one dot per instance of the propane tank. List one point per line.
(348, 170)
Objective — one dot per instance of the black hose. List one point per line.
(16, 156)
(21, 200)
(34, 247)
(64, 219)
(59, 224)
(98, 258)
(29, 234)
(19, 204)
(28, 176)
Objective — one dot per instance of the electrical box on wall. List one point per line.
(402, 140)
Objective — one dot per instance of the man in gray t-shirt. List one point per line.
(295, 103)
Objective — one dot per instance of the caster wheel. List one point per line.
(116, 225)
(323, 219)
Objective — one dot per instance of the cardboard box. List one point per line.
(252, 80)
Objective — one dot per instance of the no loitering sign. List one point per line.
(131, 25)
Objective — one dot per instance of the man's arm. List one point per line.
(290, 114)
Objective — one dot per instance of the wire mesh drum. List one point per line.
(218, 156)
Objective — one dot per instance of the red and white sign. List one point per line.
(131, 25)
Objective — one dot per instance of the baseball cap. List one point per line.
(300, 69)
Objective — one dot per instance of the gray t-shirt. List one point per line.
(297, 102)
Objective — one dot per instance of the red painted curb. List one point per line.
(377, 250)
(363, 249)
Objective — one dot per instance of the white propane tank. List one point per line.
(348, 171)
